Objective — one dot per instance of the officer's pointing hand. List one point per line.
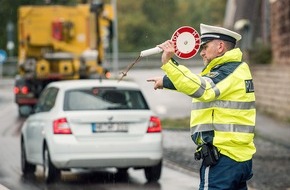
(158, 82)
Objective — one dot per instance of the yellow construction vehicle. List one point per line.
(58, 42)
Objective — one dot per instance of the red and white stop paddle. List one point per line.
(186, 43)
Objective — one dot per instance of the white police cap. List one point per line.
(209, 33)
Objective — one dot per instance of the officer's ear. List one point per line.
(222, 48)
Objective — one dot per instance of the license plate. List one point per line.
(109, 127)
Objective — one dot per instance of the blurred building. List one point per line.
(280, 31)
(250, 18)
(267, 23)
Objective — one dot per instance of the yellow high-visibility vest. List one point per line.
(223, 105)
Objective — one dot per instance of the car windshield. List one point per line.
(104, 99)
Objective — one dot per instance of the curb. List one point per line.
(177, 167)
(3, 188)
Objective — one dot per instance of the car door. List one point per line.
(37, 122)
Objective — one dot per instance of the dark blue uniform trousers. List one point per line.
(227, 174)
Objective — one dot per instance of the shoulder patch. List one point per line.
(212, 74)
(249, 86)
(216, 67)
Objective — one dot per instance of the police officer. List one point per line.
(223, 107)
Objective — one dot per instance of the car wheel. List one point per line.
(51, 173)
(122, 170)
(26, 167)
(24, 111)
(122, 173)
(153, 173)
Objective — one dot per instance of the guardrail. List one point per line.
(10, 67)
(124, 59)
(154, 61)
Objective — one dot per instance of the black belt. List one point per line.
(208, 152)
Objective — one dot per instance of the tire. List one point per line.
(122, 170)
(24, 111)
(50, 172)
(153, 173)
(122, 174)
(26, 167)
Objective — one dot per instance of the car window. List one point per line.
(104, 99)
(46, 100)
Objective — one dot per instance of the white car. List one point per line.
(92, 124)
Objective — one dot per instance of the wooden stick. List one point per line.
(124, 73)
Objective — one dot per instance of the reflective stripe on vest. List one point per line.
(223, 104)
(213, 86)
(200, 91)
(201, 88)
(222, 127)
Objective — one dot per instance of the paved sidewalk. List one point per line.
(273, 129)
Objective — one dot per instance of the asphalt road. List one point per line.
(11, 176)
(271, 162)
(166, 103)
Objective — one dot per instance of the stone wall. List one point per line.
(272, 82)
(272, 88)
